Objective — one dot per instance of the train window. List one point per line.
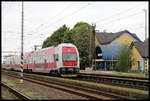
(40, 59)
(29, 60)
(47, 58)
(32, 60)
(25, 61)
(69, 57)
(50, 58)
(37, 59)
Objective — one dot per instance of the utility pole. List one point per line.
(90, 42)
(112, 56)
(145, 23)
(21, 65)
(145, 38)
(35, 47)
(94, 52)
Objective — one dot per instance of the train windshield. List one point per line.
(69, 57)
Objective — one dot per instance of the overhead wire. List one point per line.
(55, 15)
(118, 19)
(76, 12)
(70, 14)
(59, 13)
(125, 11)
(39, 27)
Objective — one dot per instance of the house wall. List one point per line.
(96, 42)
(147, 67)
(136, 57)
(128, 39)
(125, 39)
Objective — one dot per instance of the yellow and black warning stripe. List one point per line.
(21, 69)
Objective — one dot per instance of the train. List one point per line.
(62, 60)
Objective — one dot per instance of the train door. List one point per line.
(56, 59)
(45, 66)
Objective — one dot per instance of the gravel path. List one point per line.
(36, 91)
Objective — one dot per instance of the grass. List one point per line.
(116, 73)
(104, 87)
(15, 85)
(136, 93)
(6, 94)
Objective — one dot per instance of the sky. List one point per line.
(41, 19)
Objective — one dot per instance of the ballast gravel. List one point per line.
(36, 91)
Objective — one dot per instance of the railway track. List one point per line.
(122, 81)
(130, 82)
(84, 92)
(131, 77)
(17, 93)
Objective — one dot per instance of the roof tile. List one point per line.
(105, 38)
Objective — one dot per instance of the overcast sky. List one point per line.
(41, 19)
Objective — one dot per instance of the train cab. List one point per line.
(69, 59)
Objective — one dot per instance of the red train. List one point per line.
(62, 60)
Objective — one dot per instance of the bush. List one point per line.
(124, 59)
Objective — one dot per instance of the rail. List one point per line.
(129, 82)
(17, 93)
(81, 91)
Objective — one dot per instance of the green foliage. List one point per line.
(125, 60)
(79, 35)
(56, 38)
(80, 24)
(83, 32)
(68, 36)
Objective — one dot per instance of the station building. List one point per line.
(107, 46)
(141, 56)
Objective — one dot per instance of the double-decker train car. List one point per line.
(62, 60)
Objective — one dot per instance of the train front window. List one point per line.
(69, 57)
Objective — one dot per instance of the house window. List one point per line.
(138, 63)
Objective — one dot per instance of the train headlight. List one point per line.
(77, 70)
(70, 69)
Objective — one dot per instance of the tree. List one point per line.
(56, 38)
(68, 36)
(79, 35)
(83, 32)
(125, 60)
